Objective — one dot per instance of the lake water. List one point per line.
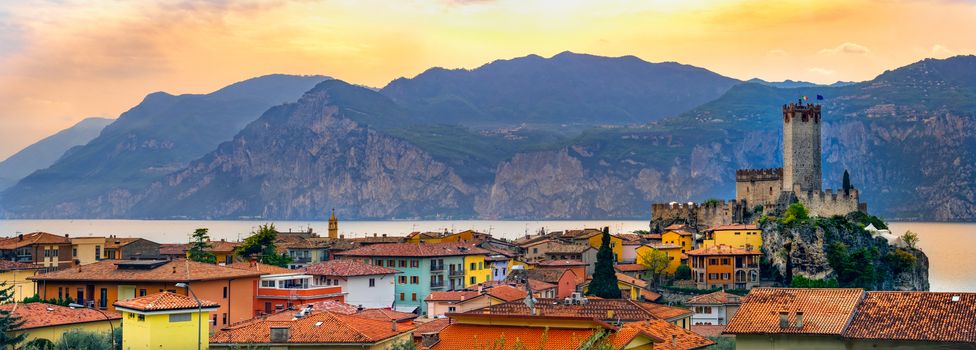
(952, 266)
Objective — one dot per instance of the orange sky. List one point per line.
(62, 61)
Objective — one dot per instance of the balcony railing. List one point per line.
(456, 272)
(437, 284)
(301, 260)
(437, 267)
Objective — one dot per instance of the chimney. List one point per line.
(342, 236)
(174, 268)
(20, 237)
(384, 235)
(674, 341)
(393, 327)
(374, 234)
(799, 319)
(65, 235)
(609, 314)
(784, 319)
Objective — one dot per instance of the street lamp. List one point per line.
(110, 326)
(199, 312)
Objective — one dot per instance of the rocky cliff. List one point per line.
(838, 249)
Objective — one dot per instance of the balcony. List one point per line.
(437, 284)
(456, 272)
(301, 260)
(314, 292)
(436, 267)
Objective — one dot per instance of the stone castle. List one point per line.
(773, 190)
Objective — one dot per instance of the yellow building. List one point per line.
(673, 252)
(15, 274)
(748, 237)
(476, 270)
(616, 244)
(438, 237)
(48, 321)
(681, 238)
(165, 321)
(87, 249)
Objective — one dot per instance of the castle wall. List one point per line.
(828, 203)
(801, 147)
(758, 186)
(700, 216)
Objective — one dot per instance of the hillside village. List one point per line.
(784, 265)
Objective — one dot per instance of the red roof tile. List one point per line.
(173, 249)
(171, 271)
(562, 263)
(432, 326)
(416, 250)
(630, 267)
(452, 296)
(163, 301)
(507, 293)
(317, 328)
(264, 269)
(32, 238)
(346, 268)
(916, 316)
(35, 315)
(471, 336)
(826, 311)
(386, 315)
(721, 249)
(708, 330)
(7, 265)
(602, 309)
(664, 330)
(716, 298)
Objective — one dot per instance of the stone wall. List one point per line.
(699, 216)
(758, 186)
(801, 147)
(828, 203)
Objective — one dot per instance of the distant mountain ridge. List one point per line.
(908, 138)
(789, 84)
(567, 88)
(45, 152)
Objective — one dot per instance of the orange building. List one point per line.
(724, 266)
(281, 288)
(101, 284)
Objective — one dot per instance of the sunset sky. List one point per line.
(62, 61)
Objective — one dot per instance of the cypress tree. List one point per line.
(604, 283)
(847, 182)
(9, 322)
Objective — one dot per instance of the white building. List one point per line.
(365, 285)
(714, 308)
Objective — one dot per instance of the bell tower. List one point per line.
(801, 147)
(333, 226)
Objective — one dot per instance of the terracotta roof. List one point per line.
(32, 238)
(264, 269)
(538, 286)
(708, 330)
(163, 301)
(630, 280)
(664, 330)
(507, 293)
(347, 268)
(433, 326)
(416, 250)
(386, 315)
(118, 242)
(651, 236)
(222, 246)
(734, 227)
(826, 311)
(471, 336)
(35, 315)
(173, 249)
(180, 270)
(533, 242)
(677, 227)
(630, 267)
(377, 240)
(568, 249)
(318, 328)
(546, 275)
(7, 265)
(681, 232)
(452, 296)
(715, 298)
(562, 263)
(916, 316)
(601, 309)
(663, 245)
(721, 249)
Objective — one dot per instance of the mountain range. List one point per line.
(45, 152)
(571, 136)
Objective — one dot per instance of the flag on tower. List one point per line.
(820, 97)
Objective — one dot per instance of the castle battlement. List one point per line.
(830, 202)
(771, 174)
(806, 112)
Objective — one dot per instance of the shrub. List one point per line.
(796, 213)
(803, 282)
(900, 260)
(683, 272)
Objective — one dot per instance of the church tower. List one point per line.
(801, 147)
(333, 226)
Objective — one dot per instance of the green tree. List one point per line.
(910, 238)
(847, 182)
(604, 283)
(8, 321)
(683, 272)
(656, 262)
(796, 213)
(81, 339)
(262, 245)
(200, 247)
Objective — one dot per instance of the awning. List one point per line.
(407, 309)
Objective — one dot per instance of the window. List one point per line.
(142, 318)
(179, 318)
(103, 298)
(725, 261)
(473, 266)
(738, 233)
(481, 265)
(402, 297)
(391, 263)
(372, 282)
(142, 292)
(60, 296)
(713, 261)
(403, 279)
(223, 318)
(403, 263)
(98, 252)
(225, 292)
(713, 276)
(414, 280)
(535, 250)
(413, 296)
(451, 309)
(74, 252)
(474, 280)
(267, 284)
(414, 263)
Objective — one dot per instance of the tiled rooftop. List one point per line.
(602, 309)
(826, 311)
(416, 250)
(118, 242)
(163, 301)
(318, 328)
(36, 315)
(470, 336)
(630, 267)
(432, 326)
(916, 316)
(715, 298)
(7, 265)
(173, 249)
(264, 269)
(452, 296)
(546, 275)
(172, 271)
(507, 293)
(386, 315)
(346, 268)
(562, 263)
(32, 238)
(734, 227)
(722, 250)
(664, 330)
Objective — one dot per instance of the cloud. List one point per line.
(820, 70)
(846, 48)
(939, 51)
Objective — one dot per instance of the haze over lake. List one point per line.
(951, 268)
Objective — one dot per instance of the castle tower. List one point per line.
(333, 226)
(801, 147)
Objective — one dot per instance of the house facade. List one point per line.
(16, 274)
(165, 321)
(714, 308)
(366, 285)
(119, 248)
(742, 236)
(49, 321)
(50, 251)
(726, 267)
(87, 249)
